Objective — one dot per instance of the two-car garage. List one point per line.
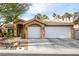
(50, 32)
(40, 29)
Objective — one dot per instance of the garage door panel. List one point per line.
(57, 32)
(77, 34)
(33, 32)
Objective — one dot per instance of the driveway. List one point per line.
(53, 43)
(49, 43)
(64, 43)
(48, 46)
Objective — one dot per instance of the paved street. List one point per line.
(17, 54)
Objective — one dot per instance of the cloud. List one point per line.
(42, 8)
(38, 8)
(50, 8)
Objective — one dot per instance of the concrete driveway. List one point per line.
(48, 46)
(64, 43)
(49, 43)
(53, 43)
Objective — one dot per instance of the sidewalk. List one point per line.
(34, 50)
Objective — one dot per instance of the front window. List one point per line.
(11, 31)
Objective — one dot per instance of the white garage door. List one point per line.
(77, 34)
(57, 32)
(33, 32)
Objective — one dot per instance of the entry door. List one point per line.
(33, 32)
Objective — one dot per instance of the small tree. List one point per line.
(23, 35)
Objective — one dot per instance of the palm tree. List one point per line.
(67, 15)
(76, 15)
(54, 15)
(62, 17)
(38, 16)
(41, 17)
(58, 16)
(45, 17)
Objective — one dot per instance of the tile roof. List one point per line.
(57, 23)
(43, 22)
(52, 22)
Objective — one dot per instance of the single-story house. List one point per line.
(36, 28)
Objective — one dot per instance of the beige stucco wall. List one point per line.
(26, 25)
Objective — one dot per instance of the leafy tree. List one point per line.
(11, 11)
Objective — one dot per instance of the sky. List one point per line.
(49, 9)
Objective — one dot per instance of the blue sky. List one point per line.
(49, 9)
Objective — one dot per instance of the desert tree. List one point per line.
(10, 12)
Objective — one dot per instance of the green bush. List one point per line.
(22, 35)
(4, 34)
(10, 35)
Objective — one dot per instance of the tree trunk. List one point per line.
(69, 18)
(66, 19)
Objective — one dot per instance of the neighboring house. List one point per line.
(76, 28)
(36, 28)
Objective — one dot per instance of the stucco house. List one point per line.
(36, 28)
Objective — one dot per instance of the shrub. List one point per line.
(4, 34)
(22, 35)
